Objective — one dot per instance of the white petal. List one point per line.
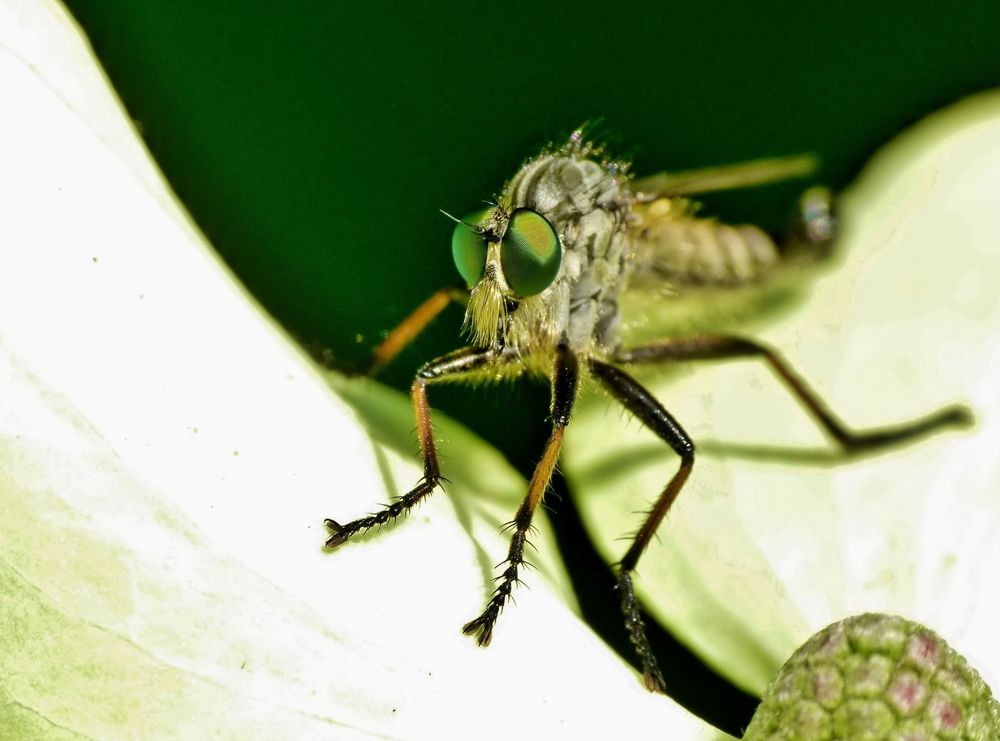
(167, 458)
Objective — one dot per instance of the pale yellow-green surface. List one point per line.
(760, 552)
(167, 458)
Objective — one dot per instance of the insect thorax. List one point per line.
(585, 203)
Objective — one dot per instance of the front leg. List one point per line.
(565, 381)
(454, 364)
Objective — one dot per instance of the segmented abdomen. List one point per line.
(672, 246)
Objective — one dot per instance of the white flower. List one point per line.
(167, 458)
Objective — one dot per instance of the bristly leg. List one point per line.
(449, 366)
(652, 677)
(565, 381)
(653, 415)
(722, 347)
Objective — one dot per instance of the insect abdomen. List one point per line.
(674, 246)
(691, 251)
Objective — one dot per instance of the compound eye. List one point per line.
(530, 253)
(468, 246)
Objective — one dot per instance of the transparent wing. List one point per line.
(725, 177)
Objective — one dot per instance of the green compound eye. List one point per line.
(468, 247)
(530, 253)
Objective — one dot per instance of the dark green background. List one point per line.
(315, 142)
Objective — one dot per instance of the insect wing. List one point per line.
(726, 177)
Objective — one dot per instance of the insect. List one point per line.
(550, 268)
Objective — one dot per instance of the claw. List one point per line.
(653, 681)
(481, 626)
(339, 536)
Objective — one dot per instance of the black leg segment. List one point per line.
(721, 347)
(651, 413)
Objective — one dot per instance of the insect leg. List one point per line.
(565, 381)
(721, 347)
(652, 414)
(413, 325)
(454, 364)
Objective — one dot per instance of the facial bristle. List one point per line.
(485, 314)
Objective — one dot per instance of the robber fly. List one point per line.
(549, 268)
